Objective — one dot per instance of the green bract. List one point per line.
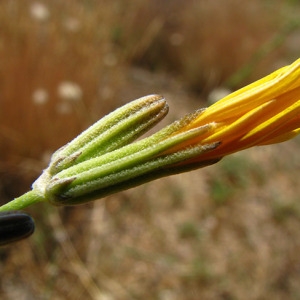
(96, 163)
(103, 160)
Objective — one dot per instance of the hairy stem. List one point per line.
(23, 201)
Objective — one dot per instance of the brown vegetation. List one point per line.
(229, 231)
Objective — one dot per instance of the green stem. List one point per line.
(23, 201)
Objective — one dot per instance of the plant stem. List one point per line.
(23, 201)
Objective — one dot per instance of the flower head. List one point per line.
(103, 159)
(264, 112)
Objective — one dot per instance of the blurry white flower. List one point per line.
(64, 108)
(39, 11)
(217, 94)
(72, 24)
(40, 96)
(68, 90)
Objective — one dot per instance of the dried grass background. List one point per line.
(229, 231)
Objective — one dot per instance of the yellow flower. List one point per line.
(264, 112)
(104, 160)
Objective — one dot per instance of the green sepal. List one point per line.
(113, 131)
(82, 190)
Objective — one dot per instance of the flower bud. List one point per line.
(113, 131)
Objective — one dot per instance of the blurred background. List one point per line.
(229, 231)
